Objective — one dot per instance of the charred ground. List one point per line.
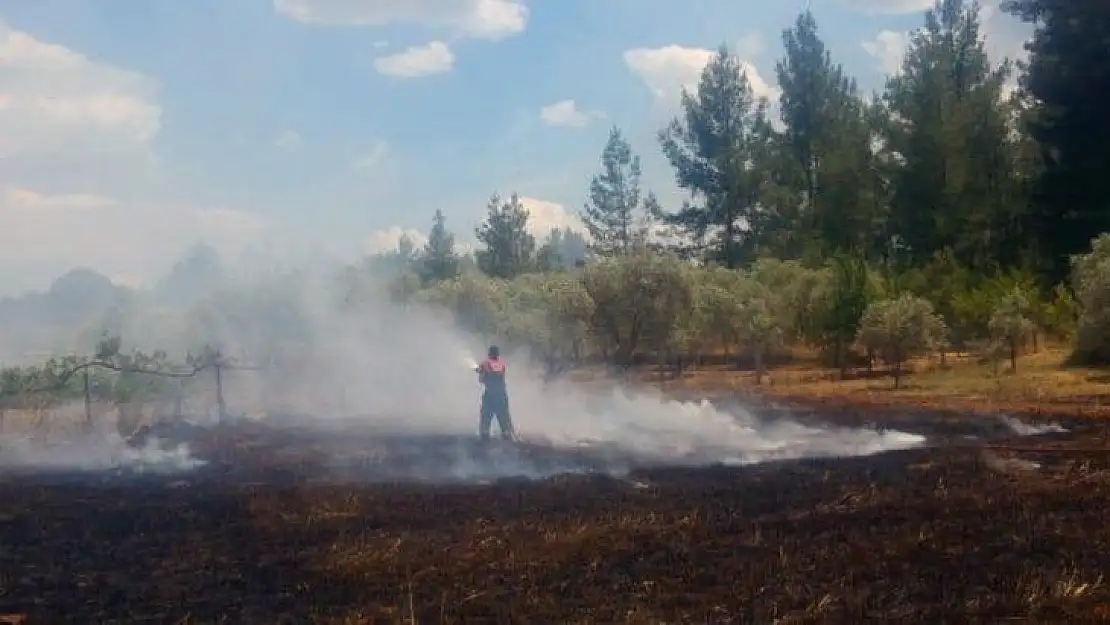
(273, 530)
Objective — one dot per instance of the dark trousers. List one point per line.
(495, 405)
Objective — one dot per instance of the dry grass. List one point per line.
(1042, 385)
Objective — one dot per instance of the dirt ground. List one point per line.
(1042, 385)
(274, 531)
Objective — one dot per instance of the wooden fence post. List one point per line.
(88, 399)
(221, 407)
(179, 401)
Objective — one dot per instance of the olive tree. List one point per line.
(475, 301)
(720, 305)
(760, 322)
(693, 328)
(549, 313)
(1010, 323)
(636, 299)
(901, 328)
(1091, 281)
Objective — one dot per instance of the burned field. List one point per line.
(274, 530)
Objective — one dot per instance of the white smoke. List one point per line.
(407, 371)
(1022, 428)
(96, 452)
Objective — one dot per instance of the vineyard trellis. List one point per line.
(134, 378)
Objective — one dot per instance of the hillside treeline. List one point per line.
(956, 208)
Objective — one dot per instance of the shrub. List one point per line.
(900, 328)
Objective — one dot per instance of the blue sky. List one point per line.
(136, 127)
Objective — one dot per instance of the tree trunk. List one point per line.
(88, 399)
(757, 355)
(841, 361)
(897, 369)
(221, 406)
(1013, 355)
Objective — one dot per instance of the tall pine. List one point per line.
(714, 147)
(439, 260)
(508, 248)
(828, 140)
(563, 248)
(950, 129)
(1067, 80)
(617, 215)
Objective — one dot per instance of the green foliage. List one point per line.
(901, 328)
(974, 304)
(1010, 322)
(439, 260)
(950, 129)
(1061, 313)
(637, 300)
(550, 315)
(827, 144)
(508, 249)
(563, 248)
(1065, 118)
(115, 376)
(1091, 280)
(848, 289)
(714, 147)
(617, 215)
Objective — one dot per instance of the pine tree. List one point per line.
(828, 141)
(439, 260)
(951, 130)
(617, 216)
(509, 250)
(562, 249)
(1067, 78)
(714, 148)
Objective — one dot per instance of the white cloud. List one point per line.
(545, 216)
(288, 140)
(567, 114)
(670, 69)
(1004, 37)
(55, 101)
(372, 159)
(750, 46)
(382, 241)
(417, 61)
(42, 235)
(484, 19)
(890, 7)
(889, 49)
(68, 122)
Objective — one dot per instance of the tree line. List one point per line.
(961, 201)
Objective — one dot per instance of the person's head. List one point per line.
(494, 352)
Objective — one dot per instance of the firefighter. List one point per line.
(495, 397)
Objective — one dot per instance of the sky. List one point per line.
(133, 129)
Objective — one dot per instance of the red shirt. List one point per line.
(491, 373)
